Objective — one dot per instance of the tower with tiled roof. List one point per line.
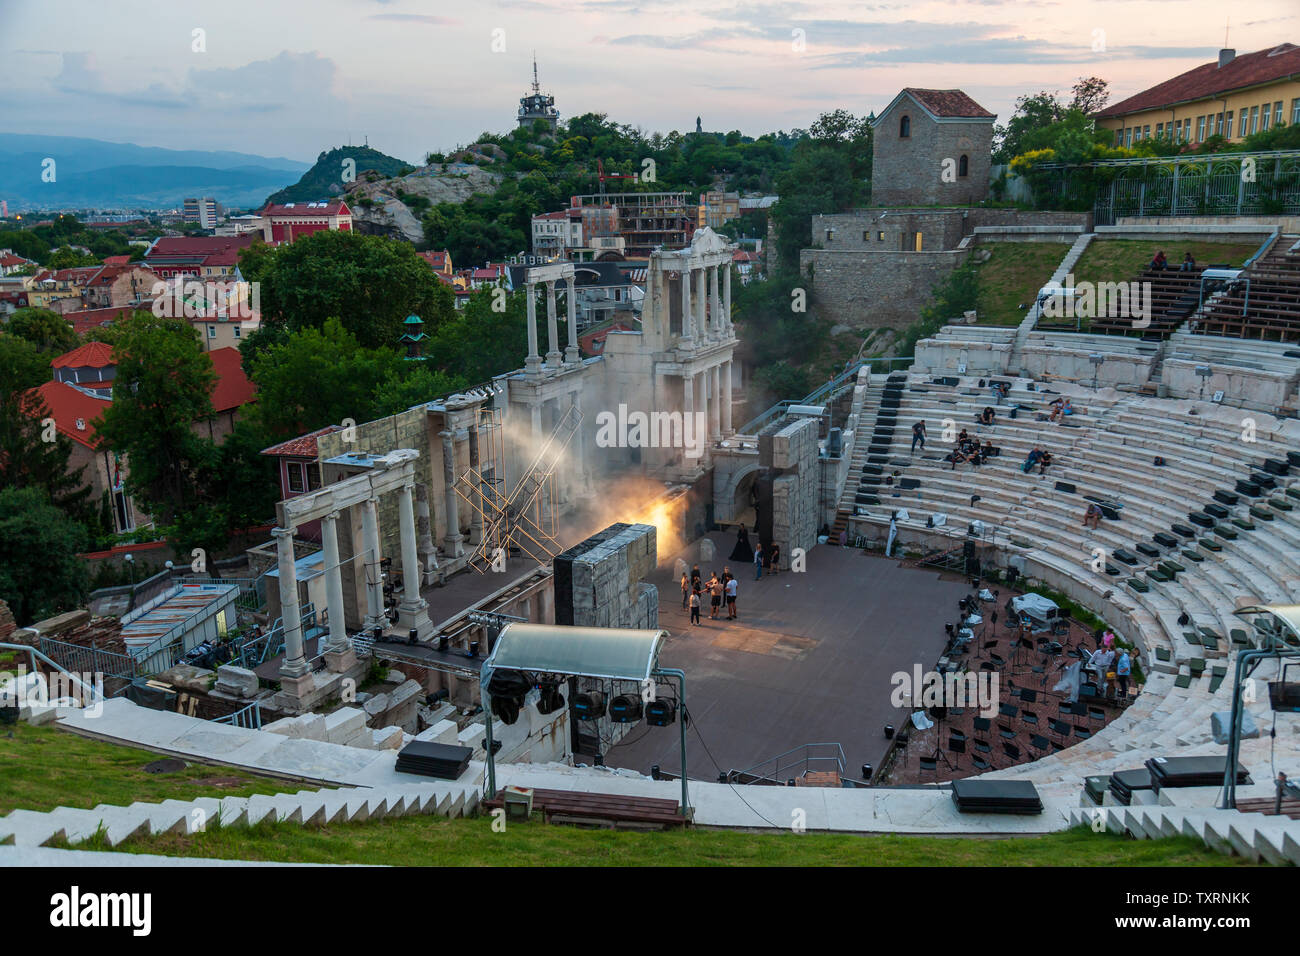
(931, 147)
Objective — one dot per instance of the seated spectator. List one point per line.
(999, 390)
(1092, 517)
(1061, 408)
(988, 451)
(1044, 461)
(964, 436)
(987, 416)
(1159, 262)
(1189, 264)
(1034, 455)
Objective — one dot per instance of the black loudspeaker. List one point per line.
(625, 709)
(507, 690)
(551, 699)
(972, 567)
(589, 705)
(660, 713)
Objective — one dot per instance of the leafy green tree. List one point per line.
(163, 387)
(48, 331)
(481, 342)
(318, 377)
(370, 283)
(65, 257)
(32, 453)
(40, 573)
(409, 387)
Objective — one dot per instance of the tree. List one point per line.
(163, 386)
(318, 377)
(1033, 112)
(32, 453)
(481, 342)
(66, 257)
(370, 283)
(1091, 94)
(48, 331)
(56, 581)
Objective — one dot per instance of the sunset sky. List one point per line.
(291, 79)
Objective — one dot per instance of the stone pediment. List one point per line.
(706, 241)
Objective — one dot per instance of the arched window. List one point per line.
(905, 127)
(963, 166)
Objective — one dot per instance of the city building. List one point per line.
(717, 207)
(941, 130)
(1232, 97)
(439, 262)
(537, 105)
(197, 256)
(644, 221)
(206, 212)
(119, 285)
(11, 263)
(557, 234)
(285, 222)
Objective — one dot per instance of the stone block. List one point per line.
(387, 738)
(236, 681)
(443, 732)
(344, 723)
(394, 676)
(376, 705)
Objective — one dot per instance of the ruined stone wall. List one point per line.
(871, 290)
(790, 454)
(599, 582)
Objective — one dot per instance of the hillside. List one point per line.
(325, 178)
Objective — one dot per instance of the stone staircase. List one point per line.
(1067, 264)
(305, 808)
(1255, 836)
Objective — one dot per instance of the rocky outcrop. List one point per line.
(378, 207)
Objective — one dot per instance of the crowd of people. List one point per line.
(721, 590)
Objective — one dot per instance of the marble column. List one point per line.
(700, 297)
(726, 299)
(412, 613)
(715, 302)
(533, 363)
(338, 652)
(476, 492)
(552, 332)
(375, 616)
(451, 540)
(583, 480)
(703, 416)
(688, 401)
(294, 670)
(715, 402)
(572, 355)
(424, 528)
(688, 319)
(726, 398)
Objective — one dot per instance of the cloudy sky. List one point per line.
(292, 78)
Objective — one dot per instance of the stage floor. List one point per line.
(809, 660)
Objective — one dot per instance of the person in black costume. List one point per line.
(742, 551)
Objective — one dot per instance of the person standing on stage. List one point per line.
(732, 587)
(686, 591)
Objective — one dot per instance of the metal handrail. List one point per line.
(33, 654)
(831, 389)
(250, 717)
(807, 758)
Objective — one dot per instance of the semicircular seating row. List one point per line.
(1175, 564)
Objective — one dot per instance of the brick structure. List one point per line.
(931, 147)
(600, 582)
(789, 485)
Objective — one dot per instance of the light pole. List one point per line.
(130, 563)
(1097, 360)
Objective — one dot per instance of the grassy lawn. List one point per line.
(1120, 260)
(1011, 278)
(425, 841)
(42, 768)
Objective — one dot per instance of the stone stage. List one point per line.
(809, 660)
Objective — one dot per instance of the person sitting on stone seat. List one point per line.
(1045, 460)
(1092, 517)
(987, 416)
(1189, 263)
(1033, 458)
(1159, 263)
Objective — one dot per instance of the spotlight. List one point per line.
(412, 636)
(551, 699)
(625, 708)
(442, 642)
(473, 649)
(589, 705)
(660, 713)
(889, 731)
(866, 772)
(507, 690)
(379, 633)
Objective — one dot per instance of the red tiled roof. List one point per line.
(436, 259)
(116, 260)
(233, 387)
(304, 446)
(562, 214)
(8, 259)
(67, 406)
(1209, 80)
(83, 320)
(334, 207)
(947, 102)
(197, 247)
(90, 355)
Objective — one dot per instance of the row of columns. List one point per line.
(533, 364)
(411, 612)
(712, 387)
(711, 284)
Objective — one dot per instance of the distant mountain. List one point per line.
(90, 172)
(326, 178)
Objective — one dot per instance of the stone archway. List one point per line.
(733, 477)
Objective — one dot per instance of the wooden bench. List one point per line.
(1267, 806)
(602, 809)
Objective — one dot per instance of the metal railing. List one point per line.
(33, 654)
(249, 718)
(825, 393)
(88, 660)
(776, 771)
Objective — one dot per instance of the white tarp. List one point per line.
(1035, 605)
